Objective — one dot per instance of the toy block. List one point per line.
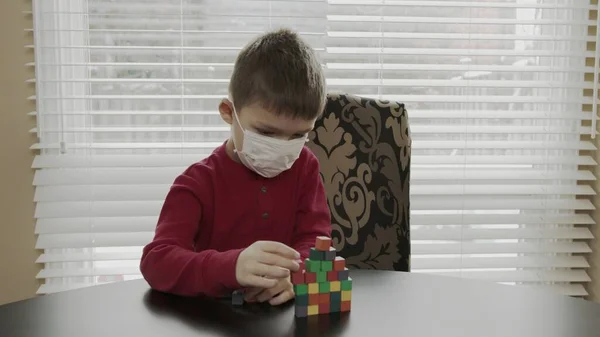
(313, 288)
(298, 277)
(313, 266)
(335, 306)
(346, 295)
(323, 243)
(302, 300)
(326, 266)
(344, 274)
(339, 263)
(324, 298)
(316, 255)
(237, 298)
(335, 286)
(330, 254)
(301, 289)
(301, 311)
(313, 310)
(322, 284)
(310, 277)
(346, 305)
(347, 284)
(335, 296)
(324, 308)
(321, 277)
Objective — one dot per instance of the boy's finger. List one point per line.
(282, 298)
(280, 249)
(277, 260)
(268, 271)
(261, 282)
(252, 293)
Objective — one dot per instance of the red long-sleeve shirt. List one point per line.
(218, 207)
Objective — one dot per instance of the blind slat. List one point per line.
(183, 160)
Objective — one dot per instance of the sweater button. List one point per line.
(265, 215)
(263, 189)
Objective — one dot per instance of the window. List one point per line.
(497, 92)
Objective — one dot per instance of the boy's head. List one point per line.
(277, 88)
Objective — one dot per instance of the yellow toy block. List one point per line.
(313, 288)
(313, 310)
(335, 286)
(346, 295)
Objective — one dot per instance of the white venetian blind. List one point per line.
(127, 92)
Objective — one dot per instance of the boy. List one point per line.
(245, 216)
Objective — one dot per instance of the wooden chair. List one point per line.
(364, 149)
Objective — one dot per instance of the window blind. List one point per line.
(127, 95)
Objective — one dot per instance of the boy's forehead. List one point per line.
(261, 117)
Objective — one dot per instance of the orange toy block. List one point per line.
(323, 243)
(324, 298)
(346, 306)
(314, 299)
(339, 264)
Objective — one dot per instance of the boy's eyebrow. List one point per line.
(273, 129)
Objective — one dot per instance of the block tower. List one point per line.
(323, 284)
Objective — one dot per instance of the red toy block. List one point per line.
(323, 243)
(310, 277)
(332, 276)
(339, 264)
(302, 266)
(298, 278)
(346, 306)
(313, 299)
(324, 308)
(324, 298)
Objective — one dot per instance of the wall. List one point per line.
(17, 241)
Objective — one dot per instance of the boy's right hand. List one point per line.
(265, 262)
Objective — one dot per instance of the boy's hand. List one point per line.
(282, 292)
(265, 262)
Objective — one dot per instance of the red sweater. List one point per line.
(218, 207)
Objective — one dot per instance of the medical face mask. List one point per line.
(267, 156)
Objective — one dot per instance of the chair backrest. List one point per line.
(364, 148)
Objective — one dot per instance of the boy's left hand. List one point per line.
(282, 292)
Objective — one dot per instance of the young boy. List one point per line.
(245, 216)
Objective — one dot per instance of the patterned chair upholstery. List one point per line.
(364, 147)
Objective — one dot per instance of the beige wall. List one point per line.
(17, 241)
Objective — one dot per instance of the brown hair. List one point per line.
(281, 72)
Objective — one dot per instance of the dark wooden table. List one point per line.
(384, 304)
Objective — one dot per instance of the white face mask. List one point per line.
(267, 156)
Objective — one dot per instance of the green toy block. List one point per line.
(335, 306)
(302, 300)
(324, 287)
(321, 276)
(301, 289)
(336, 296)
(347, 284)
(326, 266)
(316, 255)
(312, 266)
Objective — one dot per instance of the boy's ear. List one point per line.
(226, 111)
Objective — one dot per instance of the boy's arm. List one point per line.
(171, 264)
(313, 218)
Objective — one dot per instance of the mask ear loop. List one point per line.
(237, 120)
